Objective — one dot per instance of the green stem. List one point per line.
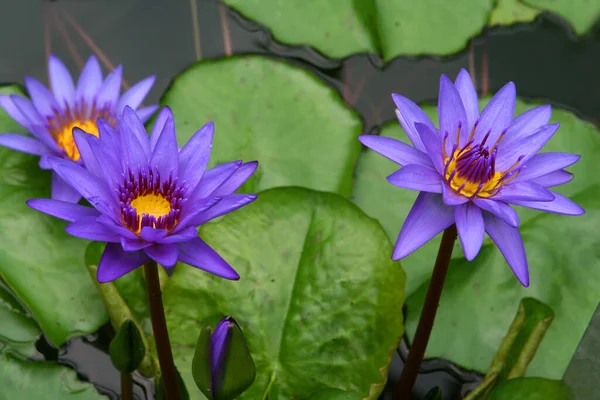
(161, 335)
(126, 386)
(417, 351)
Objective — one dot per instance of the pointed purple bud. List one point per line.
(222, 366)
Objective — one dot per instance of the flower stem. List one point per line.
(417, 351)
(126, 386)
(161, 335)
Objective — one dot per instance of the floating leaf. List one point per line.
(582, 14)
(18, 331)
(41, 380)
(127, 348)
(480, 297)
(584, 368)
(319, 299)
(532, 389)
(263, 109)
(518, 346)
(390, 27)
(337, 29)
(508, 12)
(408, 27)
(39, 261)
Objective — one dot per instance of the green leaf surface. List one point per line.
(480, 297)
(389, 27)
(408, 27)
(333, 394)
(532, 389)
(584, 369)
(27, 380)
(509, 12)
(319, 299)
(518, 346)
(267, 110)
(582, 14)
(18, 331)
(335, 28)
(39, 261)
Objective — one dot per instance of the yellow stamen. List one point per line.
(151, 204)
(464, 186)
(64, 137)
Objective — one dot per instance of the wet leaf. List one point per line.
(39, 261)
(532, 389)
(291, 122)
(18, 331)
(480, 297)
(509, 12)
(582, 14)
(319, 299)
(41, 380)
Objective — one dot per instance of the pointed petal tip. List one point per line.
(524, 280)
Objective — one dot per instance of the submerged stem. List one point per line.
(126, 386)
(161, 335)
(417, 351)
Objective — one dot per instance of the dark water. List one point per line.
(545, 60)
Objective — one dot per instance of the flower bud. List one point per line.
(222, 366)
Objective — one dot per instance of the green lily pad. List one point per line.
(532, 389)
(408, 27)
(39, 261)
(508, 12)
(18, 331)
(336, 29)
(24, 380)
(582, 14)
(389, 27)
(480, 297)
(267, 110)
(319, 299)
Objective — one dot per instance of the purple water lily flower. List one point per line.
(50, 116)
(148, 196)
(473, 167)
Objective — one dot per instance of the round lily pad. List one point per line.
(319, 300)
(263, 109)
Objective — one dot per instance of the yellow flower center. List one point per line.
(151, 204)
(471, 170)
(65, 140)
(463, 185)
